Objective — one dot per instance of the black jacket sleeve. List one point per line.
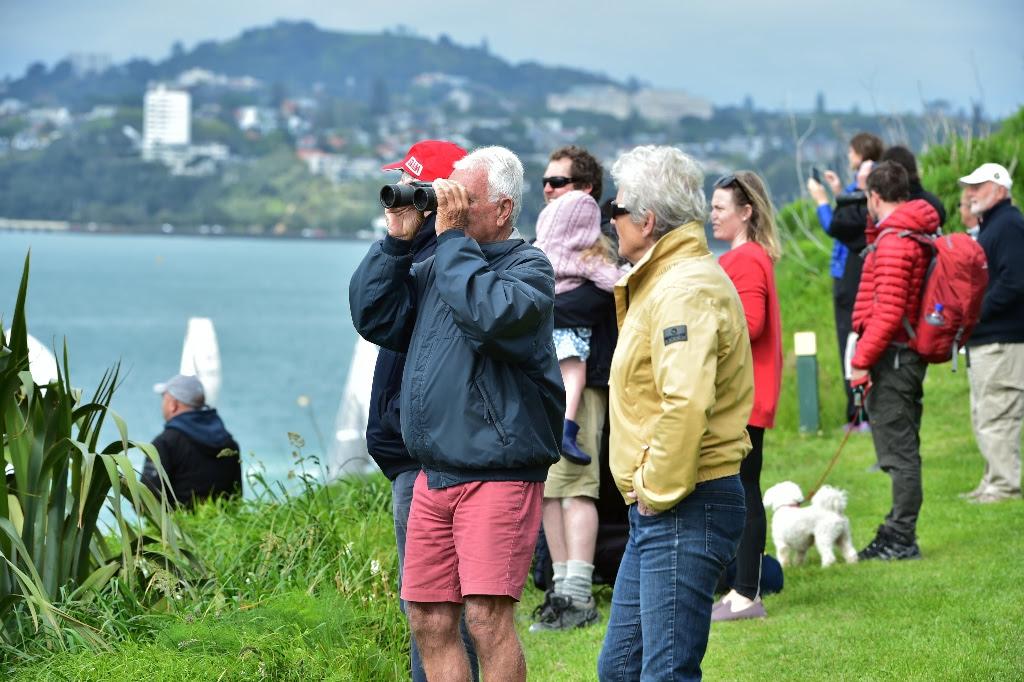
(382, 295)
(850, 219)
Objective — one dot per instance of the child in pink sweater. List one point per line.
(569, 232)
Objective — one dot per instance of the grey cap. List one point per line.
(184, 389)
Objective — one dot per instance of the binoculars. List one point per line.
(418, 194)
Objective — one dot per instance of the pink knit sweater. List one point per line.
(566, 228)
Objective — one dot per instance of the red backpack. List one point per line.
(954, 286)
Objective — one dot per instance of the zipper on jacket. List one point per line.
(490, 414)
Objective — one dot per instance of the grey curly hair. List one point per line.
(662, 180)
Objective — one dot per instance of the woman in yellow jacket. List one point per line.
(680, 395)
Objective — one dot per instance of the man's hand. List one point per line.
(817, 192)
(452, 206)
(833, 182)
(640, 506)
(404, 222)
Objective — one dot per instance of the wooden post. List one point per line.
(806, 346)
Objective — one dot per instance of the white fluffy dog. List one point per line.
(824, 523)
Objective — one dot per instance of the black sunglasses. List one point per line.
(557, 181)
(614, 210)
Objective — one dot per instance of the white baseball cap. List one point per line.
(989, 172)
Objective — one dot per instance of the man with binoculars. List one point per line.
(482, 405)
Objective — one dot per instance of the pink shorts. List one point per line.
(471, 538)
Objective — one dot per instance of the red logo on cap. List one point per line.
(415, 166)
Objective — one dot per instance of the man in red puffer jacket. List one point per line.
(888, 298)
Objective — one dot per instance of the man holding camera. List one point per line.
(426, 161)
(482, 405)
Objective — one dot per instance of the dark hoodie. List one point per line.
(190, 448)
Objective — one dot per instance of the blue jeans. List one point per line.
(401, 503)
(661, 607)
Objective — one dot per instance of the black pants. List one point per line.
(748, 555)
(895, 402)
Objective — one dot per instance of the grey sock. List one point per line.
(579, 577)
(558, 582)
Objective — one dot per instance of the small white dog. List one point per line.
(823, 523)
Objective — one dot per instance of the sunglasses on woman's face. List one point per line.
(557, 181)
(615, 210)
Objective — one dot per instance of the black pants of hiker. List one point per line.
(895, 402)
(842, 306)
(748, 555)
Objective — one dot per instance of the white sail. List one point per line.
(347, 451)
(200, 356)
(41, 362)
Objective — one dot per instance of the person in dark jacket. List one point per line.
(890, 291)
(197, 453)
(482, 407)
(996, 347)
(425, 161)
(864, 150)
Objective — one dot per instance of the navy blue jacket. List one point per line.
(482, 396)
(192, 452)
(384, 426)
(1002, 309)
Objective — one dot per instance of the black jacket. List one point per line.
(590, 306)
(482, 396)
(1002, 310)
(192, 451)
(850, 218)
(384, 424)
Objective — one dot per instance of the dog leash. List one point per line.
(858, 402)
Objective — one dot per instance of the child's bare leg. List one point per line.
(574, 376)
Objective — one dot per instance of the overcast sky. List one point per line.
(884, 55)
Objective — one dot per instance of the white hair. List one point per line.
(662, 180)
(504, 175)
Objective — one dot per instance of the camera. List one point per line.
(418, 194)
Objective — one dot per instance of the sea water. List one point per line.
(279, 307)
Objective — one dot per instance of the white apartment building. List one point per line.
(167, 119)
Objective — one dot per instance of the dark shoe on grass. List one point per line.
(566, 615)
(570, 450)
(888, 546)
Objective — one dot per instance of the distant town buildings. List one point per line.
(87, 63)
(661, 106)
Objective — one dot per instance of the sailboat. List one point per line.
(347, 453)
(200, 357)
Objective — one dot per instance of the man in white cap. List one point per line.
(996, 348)
(198, 454)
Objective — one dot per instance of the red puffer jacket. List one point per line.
(891, 283)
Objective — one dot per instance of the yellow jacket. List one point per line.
(682, 382)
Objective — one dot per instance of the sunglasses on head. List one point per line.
(615, 210)
(557, 181)
(730, 180)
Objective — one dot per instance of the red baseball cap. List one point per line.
(429, 160)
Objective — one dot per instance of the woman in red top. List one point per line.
(742, 214)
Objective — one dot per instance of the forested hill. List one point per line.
(299, 56)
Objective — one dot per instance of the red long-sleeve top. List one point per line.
(753, 275)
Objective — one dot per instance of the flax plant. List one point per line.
(74, 519)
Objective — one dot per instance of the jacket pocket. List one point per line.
(490, 413)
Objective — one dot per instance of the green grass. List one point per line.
(302, 587)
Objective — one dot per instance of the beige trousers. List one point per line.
(997, 411)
